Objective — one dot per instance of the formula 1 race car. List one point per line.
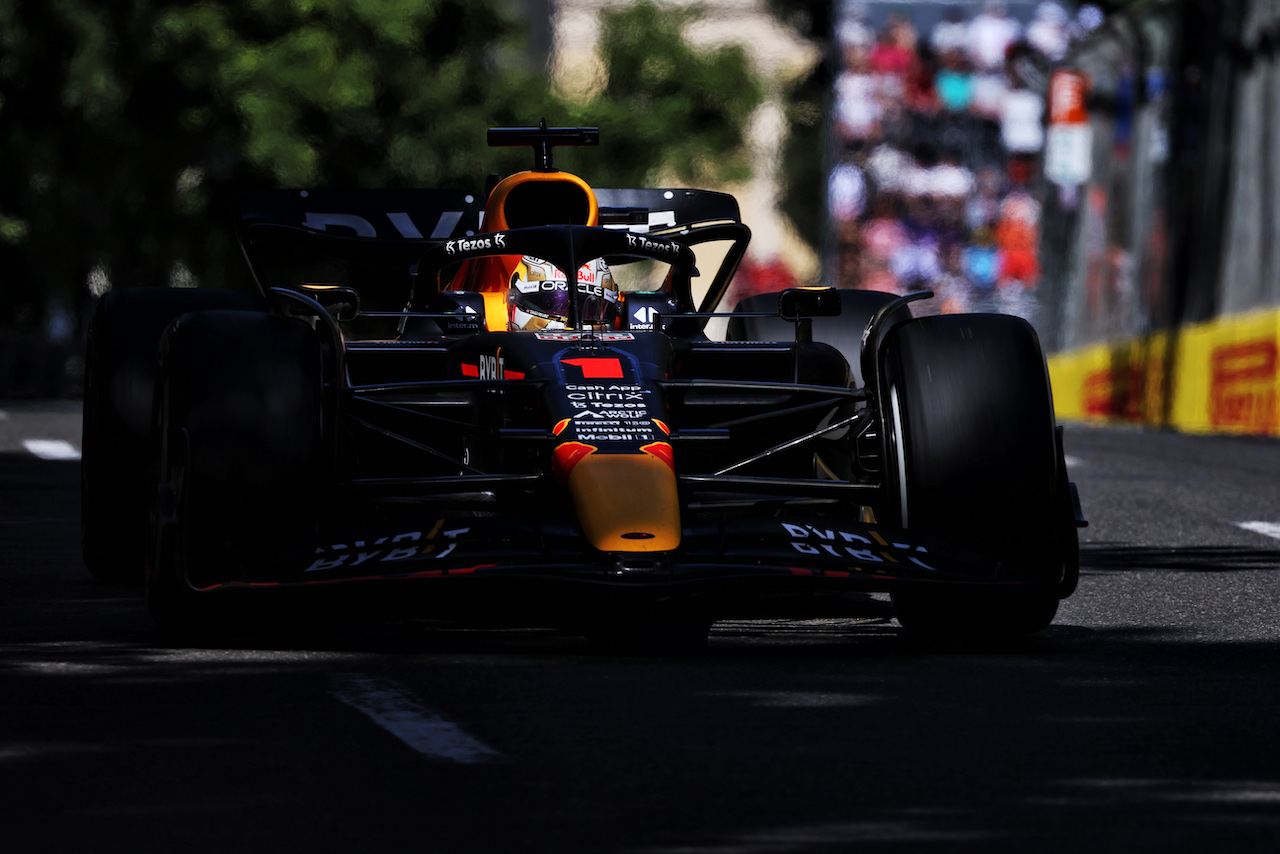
(510, 404)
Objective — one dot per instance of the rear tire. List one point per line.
(120, 362)
(238, 459)
(971, 456)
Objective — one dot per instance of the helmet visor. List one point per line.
(541, 290)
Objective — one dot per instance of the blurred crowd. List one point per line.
(938, 137)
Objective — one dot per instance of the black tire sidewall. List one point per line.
(120, 358)
(975, 439)
(240, 445)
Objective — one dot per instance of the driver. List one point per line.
(538, 297)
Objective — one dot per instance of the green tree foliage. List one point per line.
(667, 105)
(807, 102)
(374, 93)
(128, 131)
(131, 129)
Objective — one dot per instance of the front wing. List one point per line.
(783, 553)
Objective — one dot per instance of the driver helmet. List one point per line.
(538, 297)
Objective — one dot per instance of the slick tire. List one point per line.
(971, 456)
(120, 358)
(238, 460)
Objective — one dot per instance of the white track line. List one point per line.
(1267, 529)
(51, 449)
(392, 708)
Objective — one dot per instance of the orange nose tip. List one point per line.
(626, 502)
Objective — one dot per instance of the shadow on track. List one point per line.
(1115, 557)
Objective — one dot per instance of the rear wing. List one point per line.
(450, 214)
(426, 217)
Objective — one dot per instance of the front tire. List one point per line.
(238, 459)
(120, 358)
(971, 456)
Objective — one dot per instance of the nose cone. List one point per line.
(626, 502)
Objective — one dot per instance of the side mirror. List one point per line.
(342, 303)
(801, 305)
(797, 303)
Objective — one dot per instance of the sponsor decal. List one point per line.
(644, 317)
(626, 411)
(657, 219)
(612, 430)
(597, 290)
(401, 222)
(1243, 386)
(600, 392)
(660, 247)
(495, 241)
(829, 542)
(490, 368)
(597, 368)
(1119, 391)
(609, 412)
(612, 404)
(388, 549)
(541, 276)
(578, 336)
(465, 319)
(587, 288)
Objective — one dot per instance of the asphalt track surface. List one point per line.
(1144, 719)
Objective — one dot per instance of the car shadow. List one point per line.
(1117, 557)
